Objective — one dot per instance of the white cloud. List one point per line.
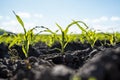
(95, 20)
(115, 18)
(28, 15)
(103, 23)
(1, 17)
(104, 18)
(38, 15)
(14, 26)
(10, 23)
(100, 27)
(86, 20)
(24, 14)
(7, 17)
(101, 19)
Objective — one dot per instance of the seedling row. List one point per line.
(28, 38)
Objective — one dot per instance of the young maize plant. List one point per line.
(87, 34)
(65, 38)
(26, 39)
(111, 37)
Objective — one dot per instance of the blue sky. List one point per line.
(101, 15)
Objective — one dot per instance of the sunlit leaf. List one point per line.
(20, 21)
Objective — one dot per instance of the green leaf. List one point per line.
(24, 51)
(81, 28)
(20, 21)
(71, 24)
(16, 39)
(59, 27)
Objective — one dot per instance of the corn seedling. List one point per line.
(111, 37)
(64, 35)
(64, 39)
(114, 39)
(27, 37)
(87, 34)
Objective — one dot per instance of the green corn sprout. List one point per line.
(87, 33)
(27, 37)
(64, 35)
(112, 37)
(65, 38)
(25, 46)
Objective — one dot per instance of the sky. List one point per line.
(100, 15)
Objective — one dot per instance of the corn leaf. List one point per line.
(20, 21)
(15, 41)
(59, 27)
(71, 24)
(24, 51)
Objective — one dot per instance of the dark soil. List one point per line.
(102, 62)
